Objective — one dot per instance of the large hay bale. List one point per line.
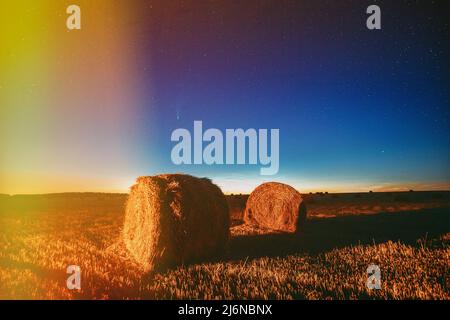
(173, 219)
(276, 206)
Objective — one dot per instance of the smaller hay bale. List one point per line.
(173, 219)
(276, 206)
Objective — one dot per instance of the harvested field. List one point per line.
(42, 235)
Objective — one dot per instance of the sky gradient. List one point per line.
(91, 110)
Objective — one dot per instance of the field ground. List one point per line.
(406, 234)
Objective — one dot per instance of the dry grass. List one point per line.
(337, 205)
(36, 247)
(408, 273)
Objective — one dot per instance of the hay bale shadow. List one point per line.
(322, 235)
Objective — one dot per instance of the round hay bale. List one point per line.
(173, 219)
(276, 206)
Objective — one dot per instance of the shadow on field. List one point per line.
(321, 235)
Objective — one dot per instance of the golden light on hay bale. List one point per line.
(276, 206)
(173, 219)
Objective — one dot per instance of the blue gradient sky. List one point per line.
(357, 109)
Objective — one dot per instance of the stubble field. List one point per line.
(406, 234)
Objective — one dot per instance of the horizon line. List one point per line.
(117, 192)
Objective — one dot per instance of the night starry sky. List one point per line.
(356, 108)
